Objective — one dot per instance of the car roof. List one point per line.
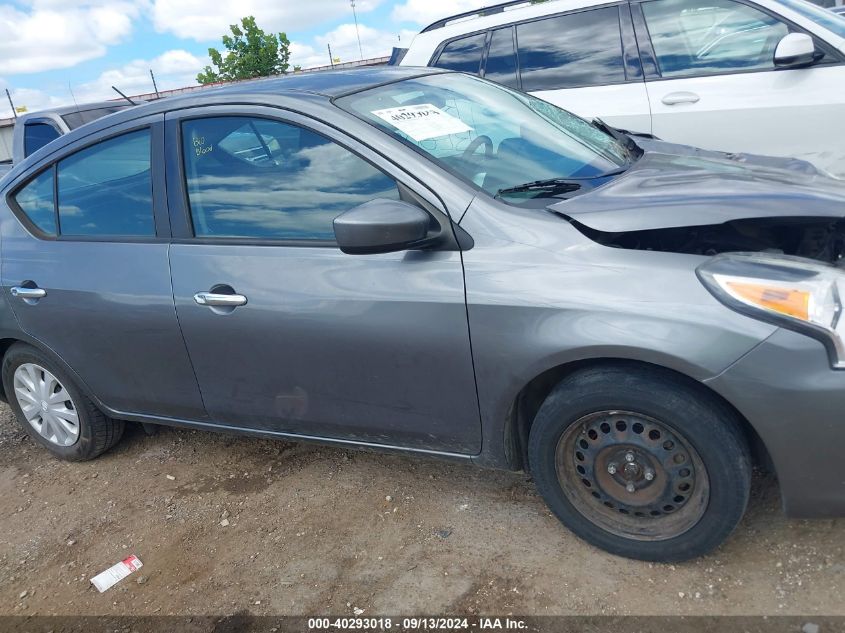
(303, 87)
(69, 109)
(328, 83)
(320, 86)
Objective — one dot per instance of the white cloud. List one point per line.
(30, 98)
(424, 12)
(51, 35)
(305, 55)
(344, 43)
(173, 69)
(203, 21)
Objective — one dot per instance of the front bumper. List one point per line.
(786, 389)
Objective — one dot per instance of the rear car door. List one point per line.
(715, 84)
(314, 342)
(585, 61)
(85, 269)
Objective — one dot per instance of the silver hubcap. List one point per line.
(46, 404)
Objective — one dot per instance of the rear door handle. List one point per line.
(220, 300)
(28, 293)
(674, 98)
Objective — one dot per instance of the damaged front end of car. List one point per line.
(709, 205)
(820, 239)
(772, 239)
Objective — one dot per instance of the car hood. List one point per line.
(672, 186)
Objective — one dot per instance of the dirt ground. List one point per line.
(314, 530)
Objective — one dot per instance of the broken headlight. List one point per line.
(791, 292)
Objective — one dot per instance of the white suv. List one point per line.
(764, 77)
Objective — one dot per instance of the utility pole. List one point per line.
(155, 87)
(9, 97)
(357, 34)
(331, 59)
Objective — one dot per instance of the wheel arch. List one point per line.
(6, 343)
(529, 399)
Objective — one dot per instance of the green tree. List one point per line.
(251, 53)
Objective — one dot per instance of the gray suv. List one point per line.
(424, 261)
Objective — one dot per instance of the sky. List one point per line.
(55, 52)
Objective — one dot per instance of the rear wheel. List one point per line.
(52, 409)
(640, 463)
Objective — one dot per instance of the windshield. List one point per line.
(824, 17)
(495, 137)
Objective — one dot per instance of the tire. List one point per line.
(89, 436)
(689, 442)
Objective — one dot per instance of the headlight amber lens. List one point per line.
(788, 301)
(788, 291)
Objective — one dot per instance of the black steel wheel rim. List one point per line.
(632, 475)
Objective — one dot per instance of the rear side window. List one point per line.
(463, 55)
(501, 59)
(106, 189)
(573, 50)
(75, 119)
(265, 179)
(36, 201)
(700, 37)
(37, 135)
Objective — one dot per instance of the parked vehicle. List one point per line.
(34, 130)
(761, 76)
(426, 261)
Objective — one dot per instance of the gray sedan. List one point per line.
(414, 260)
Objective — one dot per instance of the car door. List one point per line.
(584, 61)
(299, 337)
(587, 62)
(85, 269)
(716, 86)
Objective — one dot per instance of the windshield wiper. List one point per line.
(561, 185)
(628, 144)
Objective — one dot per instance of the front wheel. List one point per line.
(638, 462)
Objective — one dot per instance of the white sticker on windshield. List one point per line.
(422, 121)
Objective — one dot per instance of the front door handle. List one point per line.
(674, 98)
(219, 300)
(23, 292)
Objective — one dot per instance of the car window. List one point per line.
(36, 201)
(463, 55)
(568, 51)
(817, 14)
(501, 59)
(260, 178)
(37, 135)
(697, 37)
(106, 189)
(75, 119)
(487, 133)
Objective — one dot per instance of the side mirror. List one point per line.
(794, 50)
(380, 226)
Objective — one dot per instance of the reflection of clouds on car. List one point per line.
(547, 46)
(289, 183)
